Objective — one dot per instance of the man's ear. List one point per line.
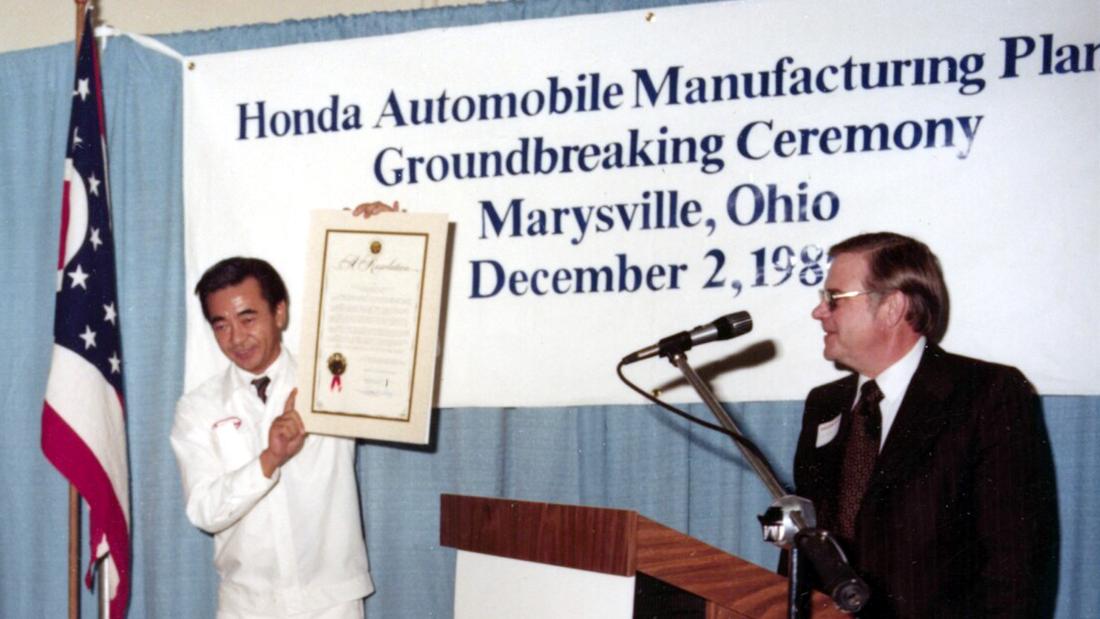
(894, 307)
(280, 315)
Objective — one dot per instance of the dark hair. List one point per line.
(232, 271)
(897, 262)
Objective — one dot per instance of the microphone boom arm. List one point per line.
(763, 471)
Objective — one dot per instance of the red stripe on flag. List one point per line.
(71, 456)
(64, 221)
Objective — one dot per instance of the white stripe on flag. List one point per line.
(89, 404)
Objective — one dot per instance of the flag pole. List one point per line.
(74, 553)
(74, 496)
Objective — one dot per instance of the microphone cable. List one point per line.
(740, 439)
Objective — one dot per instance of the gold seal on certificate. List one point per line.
(371, 324)
(336, 366)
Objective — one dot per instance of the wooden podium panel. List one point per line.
(597, 540)
(620, 542)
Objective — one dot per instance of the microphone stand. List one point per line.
(848, 591)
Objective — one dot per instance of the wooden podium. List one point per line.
(675, 575)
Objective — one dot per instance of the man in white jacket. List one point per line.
(283, 506)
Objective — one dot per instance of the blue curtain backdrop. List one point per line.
(632, 457)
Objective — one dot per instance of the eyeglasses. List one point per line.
(828, 297)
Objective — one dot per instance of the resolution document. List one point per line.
(371, 324)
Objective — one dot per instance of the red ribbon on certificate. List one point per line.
(335, 384)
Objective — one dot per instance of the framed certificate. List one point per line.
(370, 324)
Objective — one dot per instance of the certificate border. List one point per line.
(416, 428)
(416, 338)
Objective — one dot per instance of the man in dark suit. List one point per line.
(933, 470)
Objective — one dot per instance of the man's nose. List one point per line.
(820, 311)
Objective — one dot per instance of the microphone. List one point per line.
(726, 327)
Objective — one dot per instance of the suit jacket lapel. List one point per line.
(921, 418)
(825, 462)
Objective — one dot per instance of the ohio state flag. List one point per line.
(83, 421)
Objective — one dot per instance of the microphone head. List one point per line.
(733, 325)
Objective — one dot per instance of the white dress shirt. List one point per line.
(894, 382)
(283, 546)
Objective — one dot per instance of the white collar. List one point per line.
(894, 380)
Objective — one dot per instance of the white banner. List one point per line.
(615, 178)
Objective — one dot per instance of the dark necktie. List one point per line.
(261, 384)
(860, 453)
